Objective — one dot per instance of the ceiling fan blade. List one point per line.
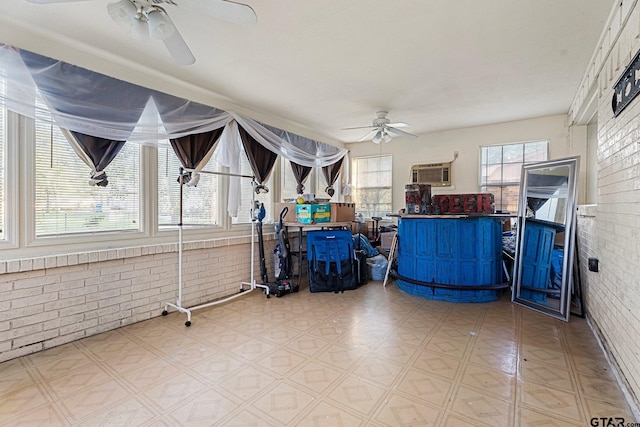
(398, 125)
(360, 127)
(399, 132)
(369, 135)
(178, 48)
(236, 13)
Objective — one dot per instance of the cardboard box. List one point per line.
(341, 212)
(313, 213)
(291, 214)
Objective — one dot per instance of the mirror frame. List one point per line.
(563, 312)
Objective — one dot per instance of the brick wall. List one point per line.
(610, 230)
(48, 301)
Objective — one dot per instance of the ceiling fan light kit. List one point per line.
(382, 129)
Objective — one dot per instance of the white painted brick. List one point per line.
(22, 351)
(71, 291)
(13, 266)
(115, 268)
(50, 262)
(34, 319)
(61, 260)
(21, 294)
(109, 278)
(33, 300)
(135, 273)
(21, 312)
(80, 274)
(92, 257)
(79, 327)
(88, 307)
(5, 288)
(103, 327)
(145, 280)
(33, 282)
(68, 320)
(114, 316)
(26, 265)
(64, 339)
(114, 301)
(112, 293)
(83, 258)
(147, 263)
(34, 338)
(135, 318)
(15, 333)
(64, 303)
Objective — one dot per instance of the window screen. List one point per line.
(501, 167)
(64, 201)
(200, 203)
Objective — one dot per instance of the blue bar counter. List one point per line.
(455, 258)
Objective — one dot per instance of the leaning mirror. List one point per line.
(545, 244)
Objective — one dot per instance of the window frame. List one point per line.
(159, 229)
(22, 241)
(11, 186)
(315, 182)
(354, 172)
(28, 205)
(502, 183)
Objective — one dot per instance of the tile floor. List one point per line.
(369, 357)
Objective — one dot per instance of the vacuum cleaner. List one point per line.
(282, 256)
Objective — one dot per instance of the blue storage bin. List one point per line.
(451, 251)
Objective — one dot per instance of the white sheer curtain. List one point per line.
(91, 103)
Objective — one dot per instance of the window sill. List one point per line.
(52, 261)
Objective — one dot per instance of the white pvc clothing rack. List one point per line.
(251, 284)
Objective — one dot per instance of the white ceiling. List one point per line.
(315, 67)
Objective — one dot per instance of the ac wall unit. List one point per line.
(434, 174)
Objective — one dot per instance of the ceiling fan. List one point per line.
(146, 19)
(382, 130)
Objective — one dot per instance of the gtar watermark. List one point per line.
(611, 422)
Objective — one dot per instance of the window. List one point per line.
(246, 190)
(321, 185)
(199, 204)
(372, 185)
(288, 184)
(64, 201)
(500, 170)
(314, 183)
